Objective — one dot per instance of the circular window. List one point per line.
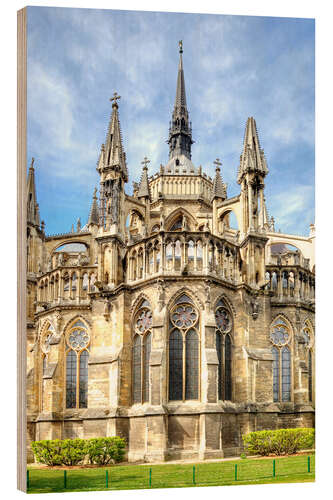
(144, 320)
(223, 319)
(279, 335)
(78, 339)
(184, 316)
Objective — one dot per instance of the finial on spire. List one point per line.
(32, 162)
(114, 100)
(145, 163)
(218, 164)
(180, 46)
(95, 192)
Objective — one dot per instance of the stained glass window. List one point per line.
(223, 319)
(71, 360)
(218, 339)
(276, 373)
(78, 340)
(146, 367)
(227, 372)
(183, 350)
(176, 365)
(184, 316)
(280, 337)
(137, 369)
(144, 320)
(192, 365)
(177, 226)
(310, 374)
(141, 353)
(285, 374)
(83, 383)
(224, 351)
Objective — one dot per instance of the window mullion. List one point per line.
(77, 380)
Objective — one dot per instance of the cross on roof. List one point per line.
(114, 98)
(145, 162)
(218, 163)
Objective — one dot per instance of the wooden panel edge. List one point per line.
(21, 247)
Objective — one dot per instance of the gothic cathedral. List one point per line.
(159, 321)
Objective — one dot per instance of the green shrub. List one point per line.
(47, 451)
(73, 451)
(278, 442)
(100, 451)
(103, 451)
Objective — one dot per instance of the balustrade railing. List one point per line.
(293, 283)
(69, 285)
(192, 253)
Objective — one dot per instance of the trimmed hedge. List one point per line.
(99, 451)
(279, 442)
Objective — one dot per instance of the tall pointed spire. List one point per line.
(219, 188)
(252, 158)
(144, 191)
(93, 216)
(112, 154)
(180, 131)
(180, 100)
(32, 205)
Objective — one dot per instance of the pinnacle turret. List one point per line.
(93, 215)
(143, 190)
(219, 188)
(32, 205)
(112, 155)
(252, 158)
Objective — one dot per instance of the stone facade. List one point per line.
(159, 322)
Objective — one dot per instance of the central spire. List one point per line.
(180, 131)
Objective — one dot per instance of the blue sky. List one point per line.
(234, 66)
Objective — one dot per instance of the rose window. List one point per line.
(279, 335)
(144, 320)
(78, 339)
(184, 316)
(223, 319)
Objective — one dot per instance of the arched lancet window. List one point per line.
(223, 330)
(141, 353)
(77, 356)
(310, 375)
(177, 225)
(183, 350)
(146, 367)
(280, 336)
(308, 337)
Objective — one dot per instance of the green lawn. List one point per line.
(124, 477)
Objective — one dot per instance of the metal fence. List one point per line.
(169, 475)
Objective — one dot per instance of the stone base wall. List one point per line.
(156, 438)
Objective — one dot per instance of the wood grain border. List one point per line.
(21, 246)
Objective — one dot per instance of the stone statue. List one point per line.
(162, 221)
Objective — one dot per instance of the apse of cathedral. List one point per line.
(159, 321)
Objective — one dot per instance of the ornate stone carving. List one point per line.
(107, 309)
(255, 308)
(161, 294)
